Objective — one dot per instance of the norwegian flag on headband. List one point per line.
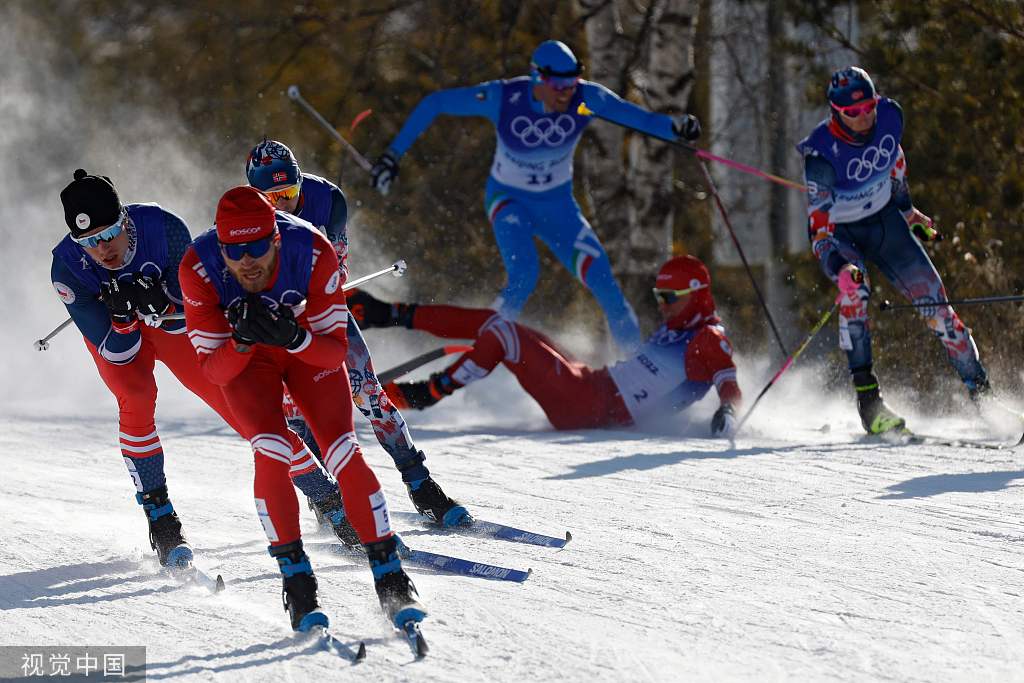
(280, 177)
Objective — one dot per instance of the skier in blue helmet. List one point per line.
(272, 168)
(859, 209)
(529, 191)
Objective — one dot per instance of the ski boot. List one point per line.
(434, 504)
(993, 411)
(330, 512)
(875, 415)
(299, 587)
(165, 536)
(396, 592)
(371, 312)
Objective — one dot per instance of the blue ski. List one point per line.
(484, 529)
(444, 563)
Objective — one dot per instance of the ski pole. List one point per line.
(743, 257)
(583, 110)
(886, 306)
(408, 366)
(785, 366)
(296, 96)
(398, 268)
(44, 343)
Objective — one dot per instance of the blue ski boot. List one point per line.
(165, 536)
(330, 511)
(434, 504)
(299, 587)
(396, 592)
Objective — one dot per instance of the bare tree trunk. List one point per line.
(604, 182)
(665, 81)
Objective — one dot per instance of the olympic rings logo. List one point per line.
(551, 132)
(873, 159)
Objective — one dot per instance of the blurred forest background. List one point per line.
(216, 73)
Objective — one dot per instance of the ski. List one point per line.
(906, 437)
(485, 529)
(408, 366)
(332, 644)
(456, 565)
(193, 575)
(927, 439)
(444, 563)
(412, 633)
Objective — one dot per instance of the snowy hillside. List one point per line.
(800, 555)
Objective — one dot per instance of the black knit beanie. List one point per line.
(90, 201)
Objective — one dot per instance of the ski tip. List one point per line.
(529, 573)
(360, 652)
(218, 584)
(568, 538)
(414, 635)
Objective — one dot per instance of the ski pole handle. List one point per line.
(296, 96)
(44, 343)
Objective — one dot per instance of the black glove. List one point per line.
(384, 172)
(414, 395)
(687, 127)
(723, 424)
(273, 326)
(150, 297)
(240, 319)
(420, 395)
(119, 298)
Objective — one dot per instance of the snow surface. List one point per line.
(798, 555)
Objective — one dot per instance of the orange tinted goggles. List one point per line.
(287, 194)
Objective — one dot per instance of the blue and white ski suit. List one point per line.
(529, 191)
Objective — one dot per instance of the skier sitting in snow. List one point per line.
(529, 191)
(676, 366)
(272, 168)
(859, 210)
(265, 309)
(118, 263)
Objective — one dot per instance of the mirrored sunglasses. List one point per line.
(255, 249)
(670, 296)
(859, 109)
(288, 193)
(104, 235)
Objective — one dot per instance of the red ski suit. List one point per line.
(573, 395)
(314, 375)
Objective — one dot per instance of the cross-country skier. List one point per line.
(860, 210)
(272, 167)
(529, 191)
(265, 309)
(673, 369)
(120, 262)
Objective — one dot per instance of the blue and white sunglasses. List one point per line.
(104, 235)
